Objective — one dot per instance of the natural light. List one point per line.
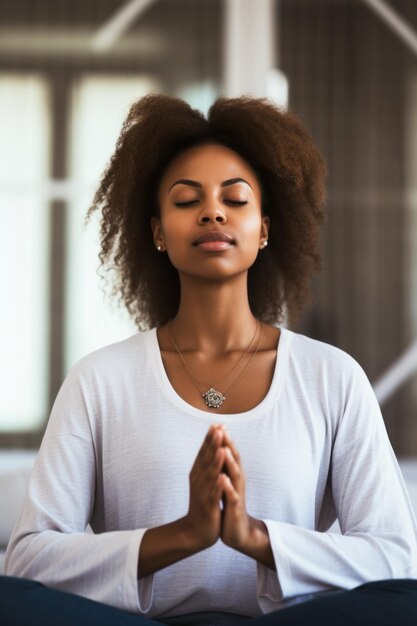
(100, 105)
(24, 346)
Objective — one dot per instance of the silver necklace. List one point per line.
(212, 397)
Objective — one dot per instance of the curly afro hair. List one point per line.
(291, 173)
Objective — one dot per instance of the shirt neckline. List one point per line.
(156, 362)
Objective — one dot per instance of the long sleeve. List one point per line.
(378, 537)
(51, 542)
(116, 458)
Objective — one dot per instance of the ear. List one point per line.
(158, 235)
(263, 240)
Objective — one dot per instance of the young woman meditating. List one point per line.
(211, 452)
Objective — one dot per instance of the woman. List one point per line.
(211, 453)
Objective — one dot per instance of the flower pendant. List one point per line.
(213, 398)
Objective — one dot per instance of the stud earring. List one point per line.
(264, 244)
(159, 248)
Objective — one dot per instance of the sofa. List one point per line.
(15, 467)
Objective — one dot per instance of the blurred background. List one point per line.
(69, 70)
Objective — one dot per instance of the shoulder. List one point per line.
(319, 353)
(327, 369)
(98, 385)
(113, 360)
(332, 382)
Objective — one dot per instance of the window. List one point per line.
(59, 121)
(24, 251)
(100, 105)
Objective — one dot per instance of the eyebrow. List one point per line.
(194, 183)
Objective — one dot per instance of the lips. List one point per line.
(213, 236)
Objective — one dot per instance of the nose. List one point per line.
(212, 212)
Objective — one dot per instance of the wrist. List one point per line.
(247, 536)
(255, 536)
(187, 538)
(190, 537)
(164, 545)
(257, 545)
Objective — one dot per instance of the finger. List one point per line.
(205, 478)
(232, 496)
(218, 488)
(227, 441)
(213, 443)
(209, 436)
(212, 472)
(206, 445)
(233, 468)
(214, 495)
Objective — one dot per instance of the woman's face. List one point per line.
(210, 224)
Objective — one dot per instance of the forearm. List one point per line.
(164, 545)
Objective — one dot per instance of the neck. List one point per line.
(214, 317)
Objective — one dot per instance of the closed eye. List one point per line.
(190, 203)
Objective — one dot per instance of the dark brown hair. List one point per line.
(291, 172)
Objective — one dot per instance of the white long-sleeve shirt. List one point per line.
(117, 453)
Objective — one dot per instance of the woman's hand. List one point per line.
(203, 520)
(236, 523)
(200, 528)
(239, 530)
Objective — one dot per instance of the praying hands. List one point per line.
(217, 510)
(217, 476)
